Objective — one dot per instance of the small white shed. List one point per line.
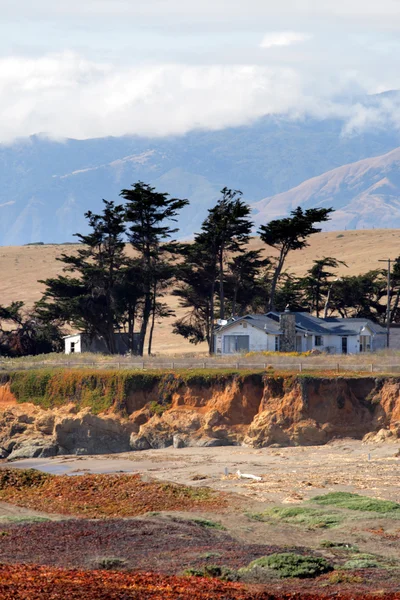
(77, 343)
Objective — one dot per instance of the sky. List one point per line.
(93, 68)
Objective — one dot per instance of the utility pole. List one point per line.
(389, 261)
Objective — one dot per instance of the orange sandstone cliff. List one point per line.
(253, 410)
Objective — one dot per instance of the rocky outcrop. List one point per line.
(252, 410)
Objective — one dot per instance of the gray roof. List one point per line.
(307, 322)
(353, 325)
(259, 321)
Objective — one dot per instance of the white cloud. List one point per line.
(68, 96)
(283, 38)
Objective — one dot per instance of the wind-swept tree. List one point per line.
(149, 216)
(88, 299)
(360, 296)
(244, 281)
(196, 277)
(23, 333)
(316, 283)
(226, 230)
(290, 233)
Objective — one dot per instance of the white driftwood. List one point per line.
(248, 476)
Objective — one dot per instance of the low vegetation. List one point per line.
(102, 496)
(27, 582)
(100, 390)
(298, 515)
(357, 502)
(289, 564)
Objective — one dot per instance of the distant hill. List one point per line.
(47, 186)
(364, 194)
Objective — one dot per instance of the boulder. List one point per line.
(32, 448)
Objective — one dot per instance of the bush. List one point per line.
(299, 515)
(110, 563)
(208, 524)
(290, 565)
(356, 502)
(360, 563)
(22, 478)
(214, 571)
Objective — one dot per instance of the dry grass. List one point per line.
(23, 266)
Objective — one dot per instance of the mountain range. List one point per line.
(278, 163)
(365, 195)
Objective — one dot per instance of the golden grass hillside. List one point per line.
(22, 266)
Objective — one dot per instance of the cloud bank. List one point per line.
(66, 95)
(113, 67)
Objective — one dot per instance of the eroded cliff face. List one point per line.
(252, 410)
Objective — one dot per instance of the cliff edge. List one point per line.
(49, 413)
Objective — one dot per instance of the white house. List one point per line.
(83, 342)
(300, 332)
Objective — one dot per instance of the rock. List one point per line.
(34, 449)
(139, 442)
(94, 433)
(178, 442)
(211, 443)
(380, 436)
(45, 424)
(3, 453)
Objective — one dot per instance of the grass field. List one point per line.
(23, 266)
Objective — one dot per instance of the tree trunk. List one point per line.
(275, 279)
(153, 319)
(131, 328)
(145, 322)
(211, 324)
(221, 287)
(317, 299)
(234, 301)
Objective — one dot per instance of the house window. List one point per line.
(244, 325)
(276, 343)
(233, 344)
(319, 340)
(72, 347)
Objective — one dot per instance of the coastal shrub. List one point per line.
(360, 563)
(111, 563)
(299, 515)
(19, 479)
(289, 564)
(208, 524)
(357, 502)
(214, 571)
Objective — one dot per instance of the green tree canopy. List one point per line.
(291, 233)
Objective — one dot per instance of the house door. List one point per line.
(344, 345)
(365, 343)
(299, 343)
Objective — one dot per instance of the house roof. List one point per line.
(355, 325)
(259, 321)
(308, 323)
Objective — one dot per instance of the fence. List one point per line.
(338, 367)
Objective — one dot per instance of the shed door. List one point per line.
(344, 345)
